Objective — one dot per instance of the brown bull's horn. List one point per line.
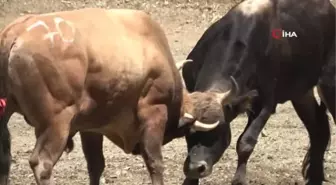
(204, 127)
(180, 64)
(225, 98)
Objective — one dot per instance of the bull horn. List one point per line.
(188, 116)
(224, 98)
(183, 123)
(199, 126)
(180, 64)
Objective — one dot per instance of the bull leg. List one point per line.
(5, 149)
(190, 181)
(327, 95)
(248, 139)
(316, 122)
(92, 145)
(50, 145)
(154, 119)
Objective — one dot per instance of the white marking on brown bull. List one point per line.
(252, 7)
(38, 23)
(50, 34)
(58, 21)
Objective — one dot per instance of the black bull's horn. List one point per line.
(223, 98)
(180, 64)
(226, 97)
(197, 125)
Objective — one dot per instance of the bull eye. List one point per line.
(204, 118)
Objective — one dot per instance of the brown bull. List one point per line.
(102, 73)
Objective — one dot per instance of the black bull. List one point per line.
(240, 45)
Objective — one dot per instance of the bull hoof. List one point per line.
(190, 181)
(4, 180)
(239, 182)
(314, 183)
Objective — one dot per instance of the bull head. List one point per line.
(212, 101)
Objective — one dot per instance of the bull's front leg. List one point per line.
(248, 139)
(52, 136)
(92, 145)
(153, 118)
(188, 181)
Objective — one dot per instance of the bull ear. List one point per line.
(244, 102)
(179, 65)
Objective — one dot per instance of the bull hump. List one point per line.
(252, 7)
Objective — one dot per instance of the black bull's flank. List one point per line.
(239, 52)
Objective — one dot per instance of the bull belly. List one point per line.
(122, 129)
(125, 138)
(291, 91)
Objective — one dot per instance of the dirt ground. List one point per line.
(278, 155)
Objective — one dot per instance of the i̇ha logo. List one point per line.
(280, 33)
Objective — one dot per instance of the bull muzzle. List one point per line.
(196, 170)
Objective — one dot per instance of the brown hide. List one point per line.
(106, 71)
(98, 62)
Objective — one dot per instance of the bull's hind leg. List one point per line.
(50, 144)
(92, 145)
(257, 119)
(315, 120)
(153, 118)
(5, 151)
(5, 146)
(327, 95)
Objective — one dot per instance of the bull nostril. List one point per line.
(201, 168)
(197, 169)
